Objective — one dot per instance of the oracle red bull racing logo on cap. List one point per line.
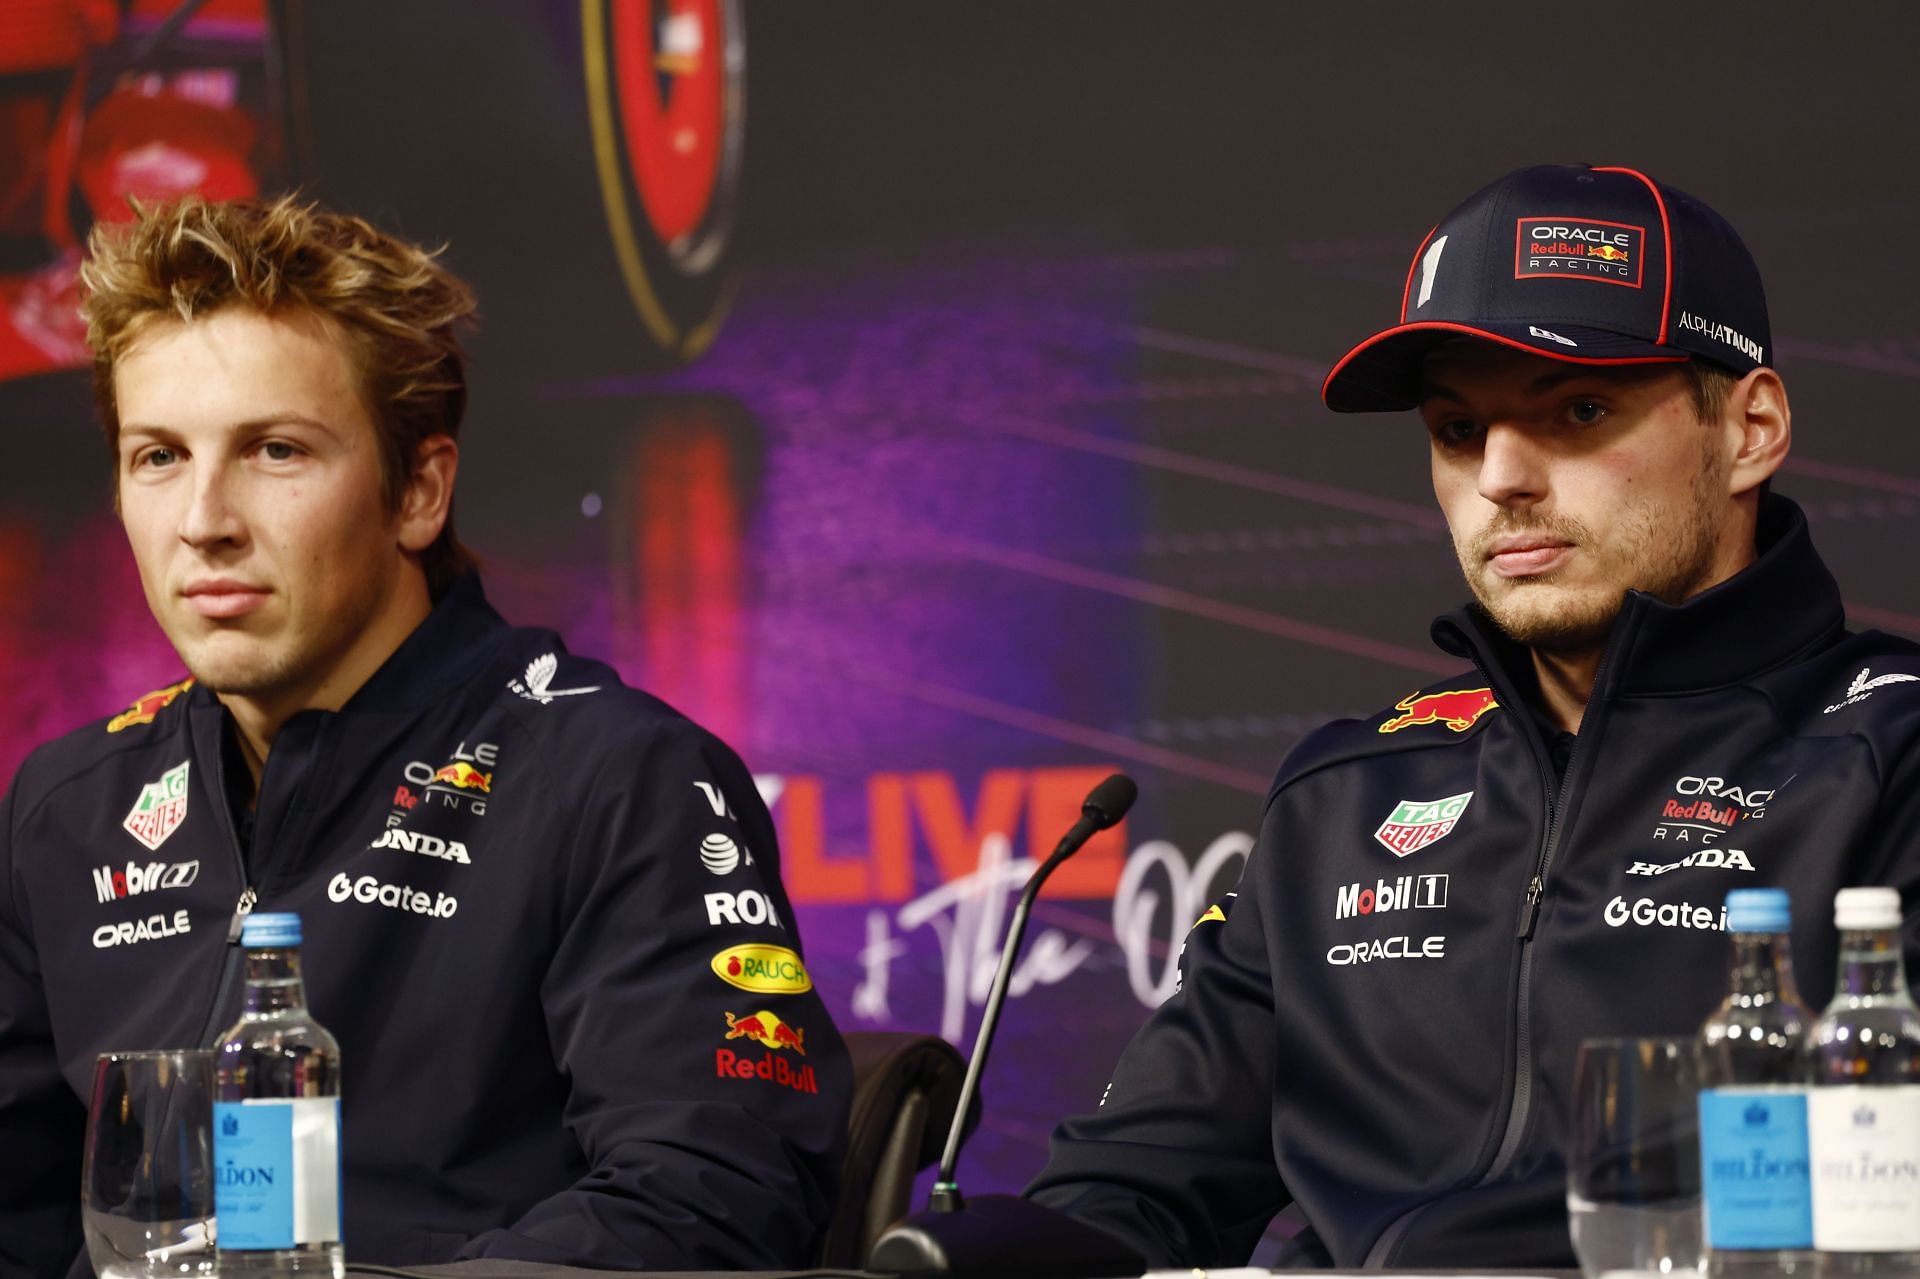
(1578, 249)
(1459, 709)
(765, 970)
(1416, 823)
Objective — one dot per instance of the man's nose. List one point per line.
(212, 516)
(1512, 467)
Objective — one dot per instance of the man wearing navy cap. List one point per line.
(1662, 704)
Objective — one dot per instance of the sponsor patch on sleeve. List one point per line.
(765, 970)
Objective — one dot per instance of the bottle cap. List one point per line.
(1758, 910)
(270, 930)
(1866, 909)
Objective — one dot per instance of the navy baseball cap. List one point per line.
(1588, 265)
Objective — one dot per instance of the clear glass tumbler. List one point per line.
(146, 1185)
(1633, 1158)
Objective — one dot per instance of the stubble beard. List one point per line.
(1649, 550)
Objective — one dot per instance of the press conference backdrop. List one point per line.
(925, 396)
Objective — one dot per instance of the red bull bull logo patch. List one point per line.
(762, 969)
(1459, 709)
(147, 706)
(465, 776)
(1417, 823)
(765, 1028)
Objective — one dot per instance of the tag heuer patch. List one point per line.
(1415, 823)
(161, 808)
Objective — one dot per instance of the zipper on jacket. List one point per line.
(241, 910)
(1536, 889)
(1520, 1104)
(232, 959)
(230, 966)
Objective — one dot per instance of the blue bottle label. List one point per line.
(1754, 1168)
(276, 1172)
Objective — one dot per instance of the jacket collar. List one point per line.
(1782, 605)
(442, 654)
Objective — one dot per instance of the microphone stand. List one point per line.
(946, 1195)
(1004, 1235)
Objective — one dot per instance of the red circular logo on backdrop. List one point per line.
(670, 81)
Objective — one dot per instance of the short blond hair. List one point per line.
(397, 308)
(1710, 385)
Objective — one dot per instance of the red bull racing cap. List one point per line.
(1588, 265)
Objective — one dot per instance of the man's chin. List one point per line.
(230, 668)
(1545, 615)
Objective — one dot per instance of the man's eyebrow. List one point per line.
(1557, 377)
(1617, 373)
(249, 424)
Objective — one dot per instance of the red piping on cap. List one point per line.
(1666, 231)
(1411, 268)
(1448, 326)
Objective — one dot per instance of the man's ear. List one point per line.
(1759, 427)
(429, 493)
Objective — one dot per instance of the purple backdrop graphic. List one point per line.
(1007, 466)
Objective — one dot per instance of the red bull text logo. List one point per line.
(766, 1029)
(771, 1066)
(1458, 709)
(145, 708)
(1701, 811)
(465, 776)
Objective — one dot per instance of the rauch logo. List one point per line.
(769, 970)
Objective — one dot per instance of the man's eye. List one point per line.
(1585, 412)
(278, 451)
(155, 458)
(1455, 433)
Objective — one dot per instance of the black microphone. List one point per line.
(1006, 1235)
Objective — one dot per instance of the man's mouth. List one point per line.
(222, 597)
(1527, 555)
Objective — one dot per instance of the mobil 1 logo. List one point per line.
(1407, 892)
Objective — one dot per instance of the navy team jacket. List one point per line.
(543, 917)
(1381, 1024)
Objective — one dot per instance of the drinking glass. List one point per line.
(1633, 1158)
(146, 1184)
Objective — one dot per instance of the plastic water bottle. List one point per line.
(1753, 1101)
(1864, 1111)
(276, 1121)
